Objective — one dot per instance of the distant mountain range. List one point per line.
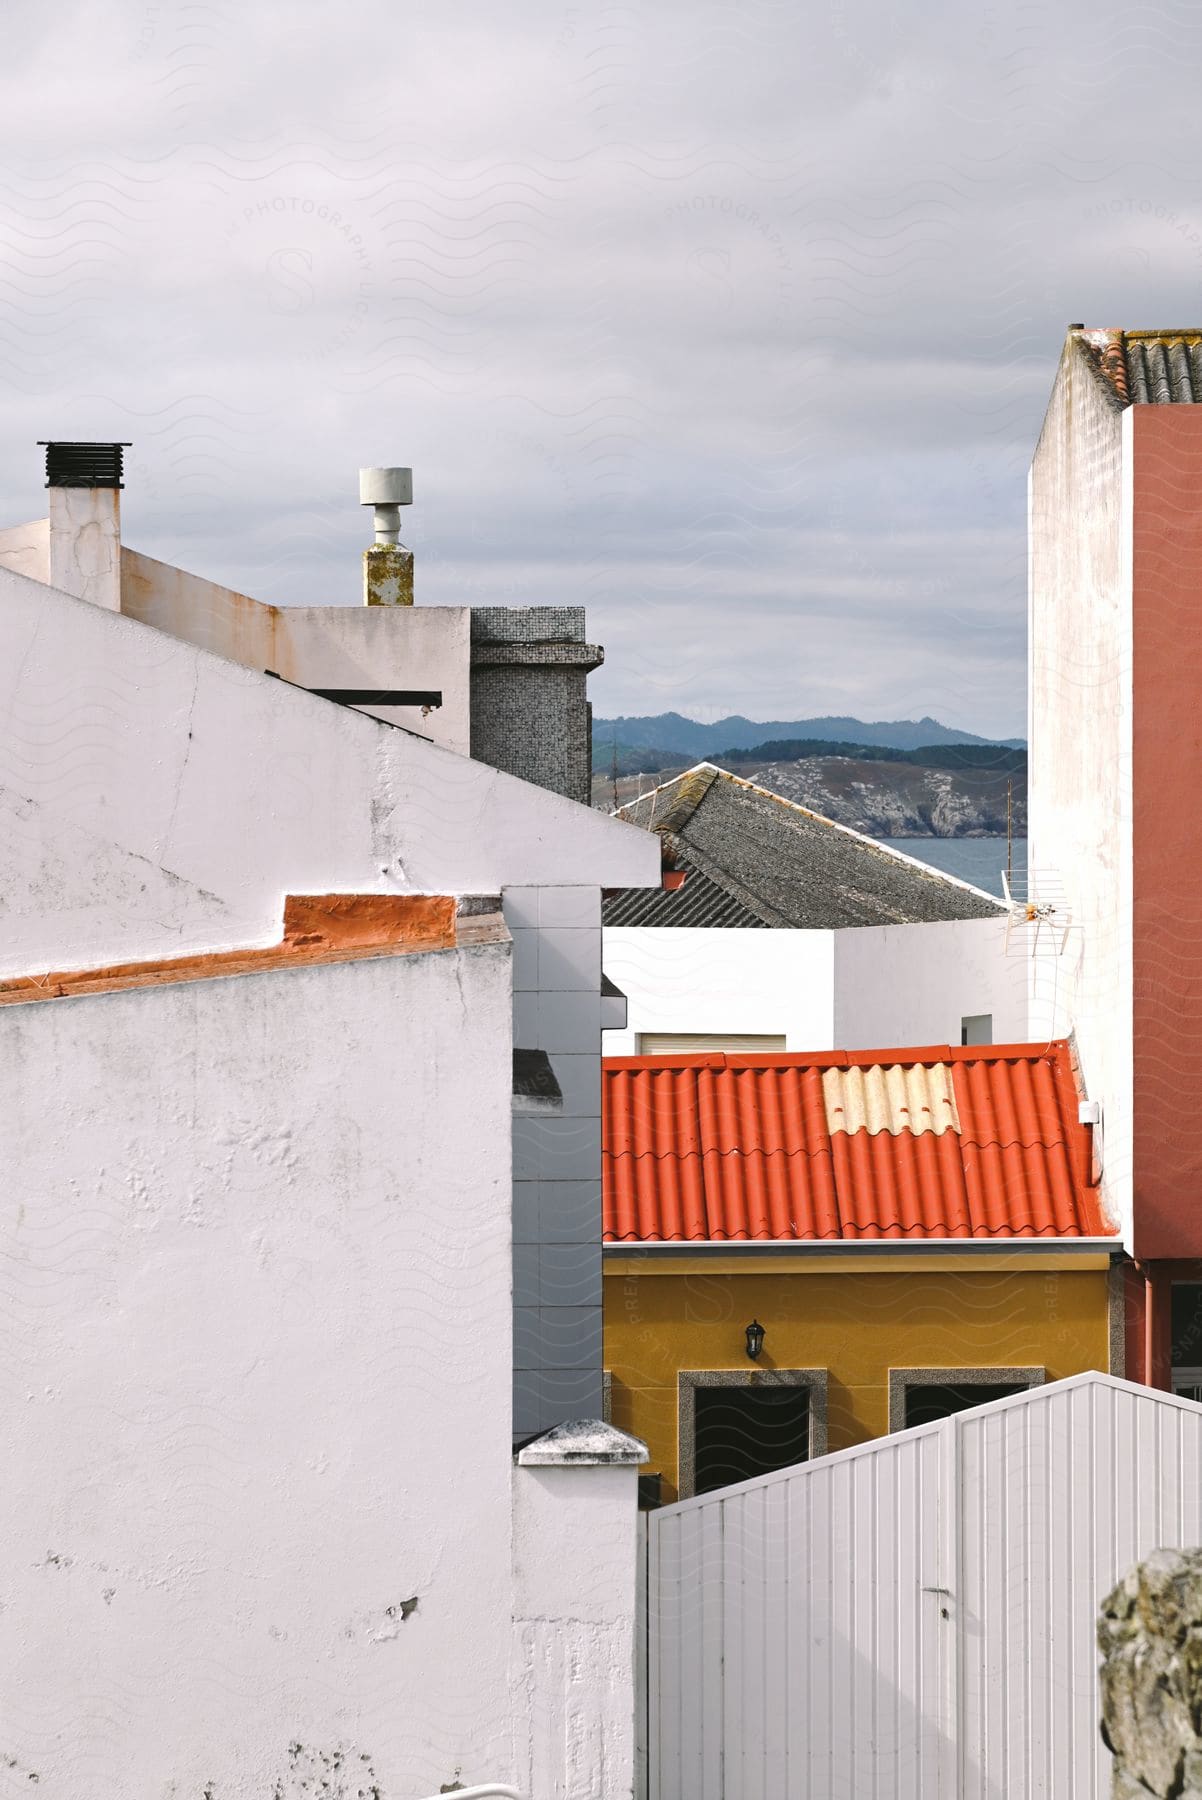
(669, 734)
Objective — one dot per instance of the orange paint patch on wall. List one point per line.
(323, 928)
(1167, 828)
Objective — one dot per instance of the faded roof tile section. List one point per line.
(705, 1149)
(891, 1098)
(753, 858)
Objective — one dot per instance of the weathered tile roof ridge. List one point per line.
(754, 857)
(1162, 367)
(318, 929)
(922, 1142)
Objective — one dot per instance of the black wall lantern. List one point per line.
(755, 1339)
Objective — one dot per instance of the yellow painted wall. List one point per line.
(856, 1325)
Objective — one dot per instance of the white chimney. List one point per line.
(85, 520)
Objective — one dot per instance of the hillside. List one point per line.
(671, 735)
(916, 794)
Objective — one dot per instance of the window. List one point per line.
(735, 1424)
(928, 1401)
(675, 1043)
(977, 1028)
(1186, 1327)
(919, 1396)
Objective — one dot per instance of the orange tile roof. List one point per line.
(916, 1143)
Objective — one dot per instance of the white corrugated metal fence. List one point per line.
(914, 1618)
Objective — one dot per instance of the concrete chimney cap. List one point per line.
(386, 487)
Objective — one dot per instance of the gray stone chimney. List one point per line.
(529, 708)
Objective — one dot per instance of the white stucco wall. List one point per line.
(256, 1385)
(574, 1640)
(26, 549)
(411, 647)
(696, 980)
(913, 984)
(157, 800)
(850, 990)
(1080, 688)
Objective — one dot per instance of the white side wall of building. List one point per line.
(1080, 833)
(913, 984)
(696, 980)
(821, 990)
(256, 1385)
(26, 549)
(157, 800)
(401, 647)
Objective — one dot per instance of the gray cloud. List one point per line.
(734, 322)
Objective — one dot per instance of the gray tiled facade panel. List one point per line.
(569, 1212)
(569, 959)
(527, 1403)
(557, 1337)
(573, 907)
(579, 1079)
(525, 1022)
(527, 1339)
(526, 1149)
(525, 964)
(526, 1201)
(570, 1274)
(527, 1277)
(560, 1149)
(520, 906)
(571, 1393)
(569, 1022)
(557, 1159)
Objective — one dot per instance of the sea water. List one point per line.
(979, 860)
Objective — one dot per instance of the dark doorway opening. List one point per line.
(740, 1432)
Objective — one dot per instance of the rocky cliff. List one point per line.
(883, 799)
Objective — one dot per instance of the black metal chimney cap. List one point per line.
(82, 465)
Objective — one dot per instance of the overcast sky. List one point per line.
(733, 322)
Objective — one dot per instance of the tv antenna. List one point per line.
(1041, 910)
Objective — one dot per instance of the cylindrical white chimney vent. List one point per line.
(386, 490)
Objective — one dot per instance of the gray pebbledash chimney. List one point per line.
(85, 520)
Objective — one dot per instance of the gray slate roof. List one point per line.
(753, 859)
(1146, 368)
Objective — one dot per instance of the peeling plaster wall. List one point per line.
(822, 990)
(157, 800)
(256, 1387)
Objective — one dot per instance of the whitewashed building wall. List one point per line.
(820, 990)
(916, 1617)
